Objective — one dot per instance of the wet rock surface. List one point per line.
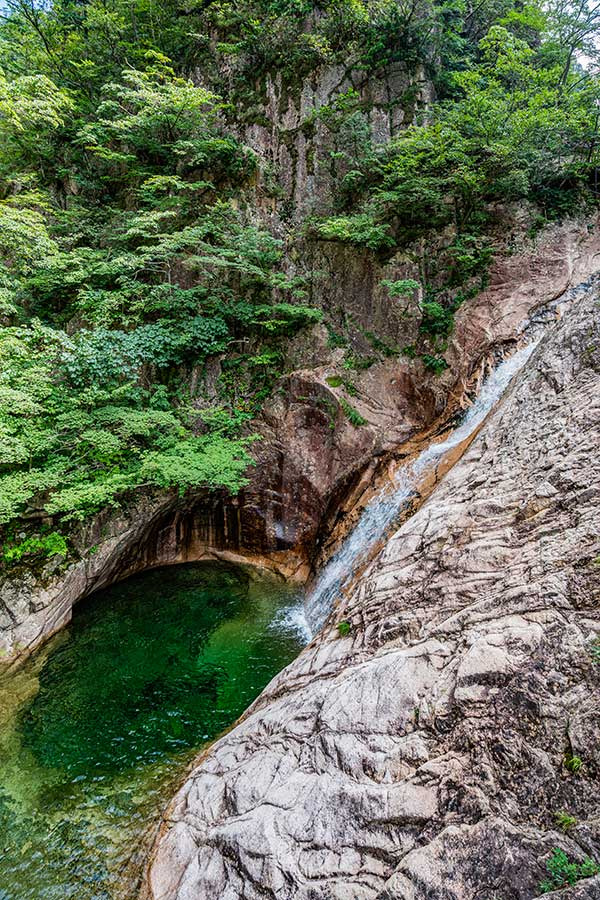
(426, 753)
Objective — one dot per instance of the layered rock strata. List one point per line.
(426, 754)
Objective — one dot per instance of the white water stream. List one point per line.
(380, 514)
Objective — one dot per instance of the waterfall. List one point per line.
(383, 510)
(305, 618)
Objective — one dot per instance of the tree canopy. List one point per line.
(129, 251)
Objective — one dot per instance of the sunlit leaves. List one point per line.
(86, 435)
(513, 130)
(24, 238)
(31, 102)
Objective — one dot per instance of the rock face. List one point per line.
(312, 458)
(289, 125)
(424, 754)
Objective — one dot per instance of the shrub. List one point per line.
(405, 287)
(46, 545)
(359, 229)
(435, 364)
(344, 628)
(437, 320)
(353, 416)
(565, 821)
(563, 872)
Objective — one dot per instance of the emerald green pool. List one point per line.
(97, 728)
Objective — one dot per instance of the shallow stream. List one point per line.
(97, 728)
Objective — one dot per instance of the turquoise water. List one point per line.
(97, 728)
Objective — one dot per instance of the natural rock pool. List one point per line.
(97, 728)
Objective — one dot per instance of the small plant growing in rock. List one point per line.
(435, 364)
(573, 764)
(336, 381)
(353, 415)
(344, 628)
(563, 872)
(565, 821)
(595, 652)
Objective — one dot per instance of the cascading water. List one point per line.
(385, 508)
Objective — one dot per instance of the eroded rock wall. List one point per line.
(311, 458)
(153, 531)
(423, 755)
(302, 145)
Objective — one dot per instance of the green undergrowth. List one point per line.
(563, 872)
(43, 546)
(515, 124)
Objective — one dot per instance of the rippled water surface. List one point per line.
(96, 727)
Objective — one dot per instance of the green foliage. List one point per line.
(565, 821)
(129, 259)
(344, 628)
(468, 256)
(405, 287)
(435, 364)
(335, 340)
(125, 264)
(150, 115)
(359, 229)
(436, 320)
(563, 872)
(110, 357)
(77, 430)
(212, 460)
(336, 381)
(262, 35)
(353, 416)
(595, 652)
(573, 764)
(518, 123)
(45, 545)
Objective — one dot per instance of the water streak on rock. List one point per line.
(384, 509)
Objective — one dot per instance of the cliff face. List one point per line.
(312, 464)
(301, 146)
(426, 753)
